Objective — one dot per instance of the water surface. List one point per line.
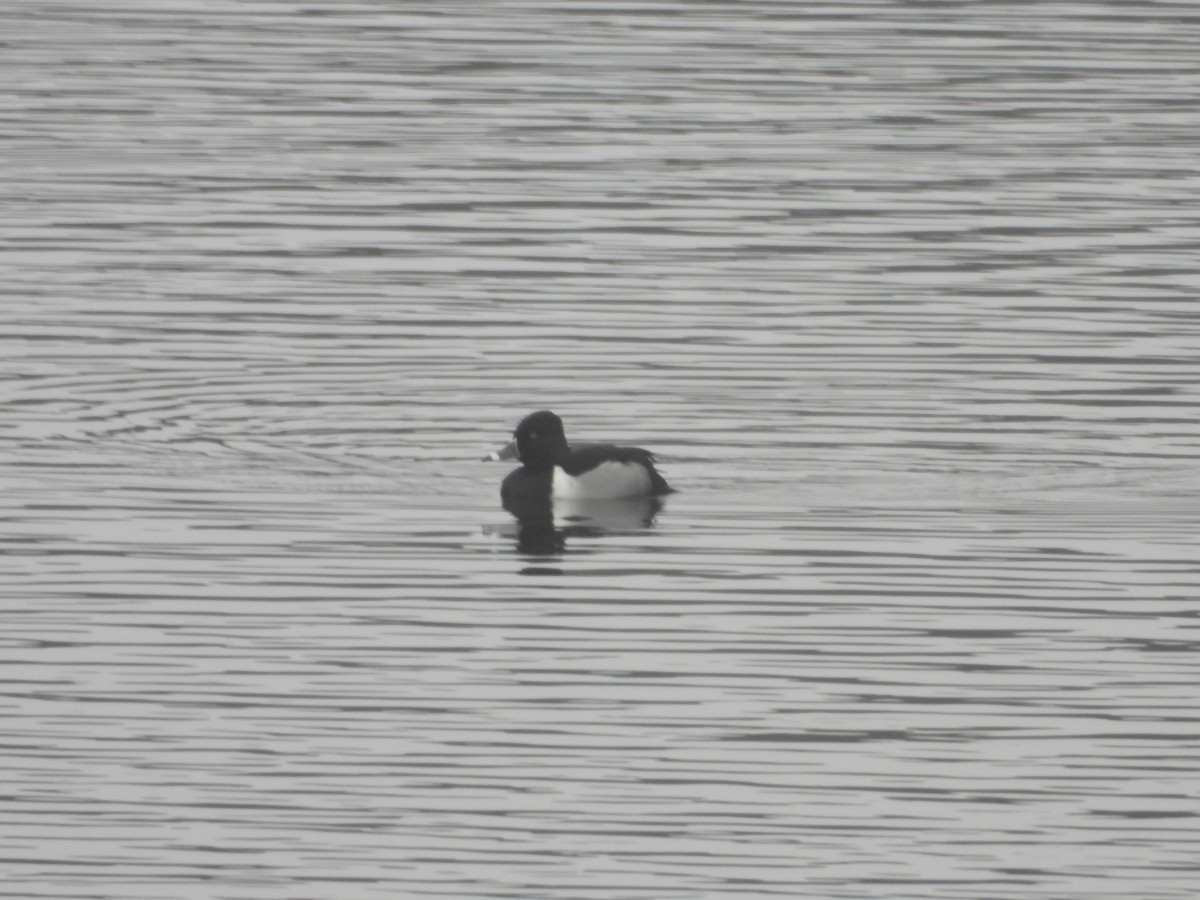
(902, 294)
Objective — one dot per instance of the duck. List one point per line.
(552, 469)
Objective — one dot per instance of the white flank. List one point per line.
(608, 481)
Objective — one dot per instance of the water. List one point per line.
(904, 297)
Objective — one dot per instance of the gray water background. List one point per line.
(904, 296)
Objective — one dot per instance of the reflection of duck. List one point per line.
(551, 468)
(543, 525)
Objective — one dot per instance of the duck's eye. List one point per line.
(533, 435)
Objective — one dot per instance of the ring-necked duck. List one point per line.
(553, 468)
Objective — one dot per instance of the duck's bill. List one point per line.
(509, 452)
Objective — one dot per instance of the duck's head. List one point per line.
(538, 441)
